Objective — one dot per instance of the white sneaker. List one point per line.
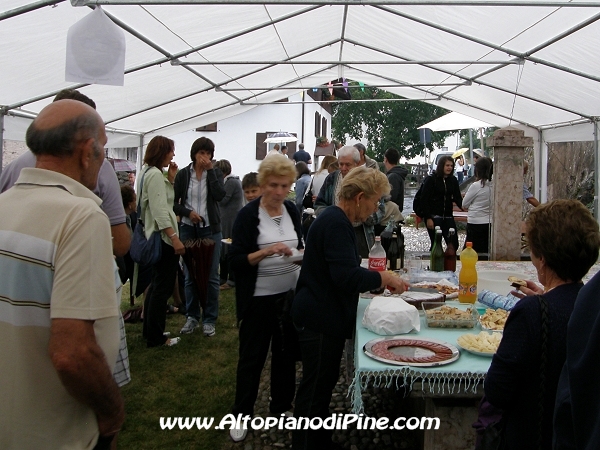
(189, 326)
(238, 434)
(209, 329)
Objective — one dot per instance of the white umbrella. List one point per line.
(280, 136)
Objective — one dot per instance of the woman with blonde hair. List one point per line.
(324, 309)
(265, 230)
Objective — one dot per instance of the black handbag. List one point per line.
(307, 200)
(144, 251)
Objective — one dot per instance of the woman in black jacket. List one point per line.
(198, 190)
(440, 191)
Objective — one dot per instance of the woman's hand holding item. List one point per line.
(394, 283)
(278, 249)
(429, 223)
(195, 217)
(532, 289)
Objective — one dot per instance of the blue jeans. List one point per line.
(192, 303)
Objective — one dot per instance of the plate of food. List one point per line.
(411, 351)
(441, 315)
(493, 319)
(482, 344)
(226, 241)
(443, 287)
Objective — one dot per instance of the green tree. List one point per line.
(464, 137)
(385, 124)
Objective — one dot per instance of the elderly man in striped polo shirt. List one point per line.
(58, 316)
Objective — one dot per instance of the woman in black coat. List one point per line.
(440, 191)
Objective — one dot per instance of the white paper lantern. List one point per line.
(95, 51)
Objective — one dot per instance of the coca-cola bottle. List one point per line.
(377, 260)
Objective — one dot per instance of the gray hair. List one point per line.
(61, 140)
(349, 150)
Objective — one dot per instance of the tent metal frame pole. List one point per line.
(596, 172)
(547, 4)
(543, 172)
(2, 114)
(401, 62)
(366, 100)
(28, 8)
(305, 88)
(140, 156)
(540, 191)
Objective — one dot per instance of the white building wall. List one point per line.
(235, 138)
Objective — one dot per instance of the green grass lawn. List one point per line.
(195, 378)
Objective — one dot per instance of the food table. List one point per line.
(461, 379)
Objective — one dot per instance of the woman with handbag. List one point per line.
(265, 230)
(563, 238)
(156, 200)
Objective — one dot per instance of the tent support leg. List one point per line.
(140, 156)
(543, 177)
(2, 114)
(596, 171)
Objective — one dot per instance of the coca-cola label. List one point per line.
(377, 264)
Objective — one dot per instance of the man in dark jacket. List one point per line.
(396, 176)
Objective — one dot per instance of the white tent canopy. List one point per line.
(530, 64)
(455, 121)
(190, 63)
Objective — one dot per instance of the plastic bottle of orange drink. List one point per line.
(467, 278)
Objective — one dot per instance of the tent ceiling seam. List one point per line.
(495, 3)
(28, 8)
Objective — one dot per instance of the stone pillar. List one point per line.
(509, 144)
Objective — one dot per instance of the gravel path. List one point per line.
(380, 402)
